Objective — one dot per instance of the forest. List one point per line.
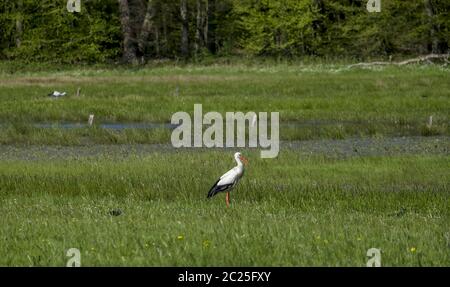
(136, 31)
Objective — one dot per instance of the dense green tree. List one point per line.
(50, 33)
(137, 30)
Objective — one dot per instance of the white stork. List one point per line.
(57, 94)
(230, 179)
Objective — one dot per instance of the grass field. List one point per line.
(313, 101)
(364, 172)
(296, 210)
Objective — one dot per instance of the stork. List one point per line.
(57, 94)
(230, 179)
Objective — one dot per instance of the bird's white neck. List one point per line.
(239, 162)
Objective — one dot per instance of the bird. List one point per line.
(57, 94)
(230, 179)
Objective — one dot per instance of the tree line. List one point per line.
(134, 31)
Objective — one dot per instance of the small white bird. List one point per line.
(57, 94)
(230, 179)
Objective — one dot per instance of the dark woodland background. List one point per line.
(136, 31)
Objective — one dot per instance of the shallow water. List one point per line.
(113, 126)
(155, 125)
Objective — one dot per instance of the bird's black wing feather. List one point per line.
(211, 191)
(218, 188)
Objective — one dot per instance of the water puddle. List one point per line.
(112, 126)
(153, 125)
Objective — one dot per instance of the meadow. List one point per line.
(314, 101)
(359, 168)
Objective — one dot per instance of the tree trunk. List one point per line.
(129, 50)
(198, 28)
(165, 41)
(184, 28)
(206, 23)
(19, 23)
(157, 48)
(211, 30)
(147, 27)
(433, 45)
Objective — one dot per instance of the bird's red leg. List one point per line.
(227, 198)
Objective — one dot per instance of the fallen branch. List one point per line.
(406, 62)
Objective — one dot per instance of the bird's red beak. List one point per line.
(244, 160)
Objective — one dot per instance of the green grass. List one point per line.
(296, 210)
(306, 207)
(327, 101)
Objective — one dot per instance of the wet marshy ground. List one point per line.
(385, 146)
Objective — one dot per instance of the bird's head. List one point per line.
(240, 158)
